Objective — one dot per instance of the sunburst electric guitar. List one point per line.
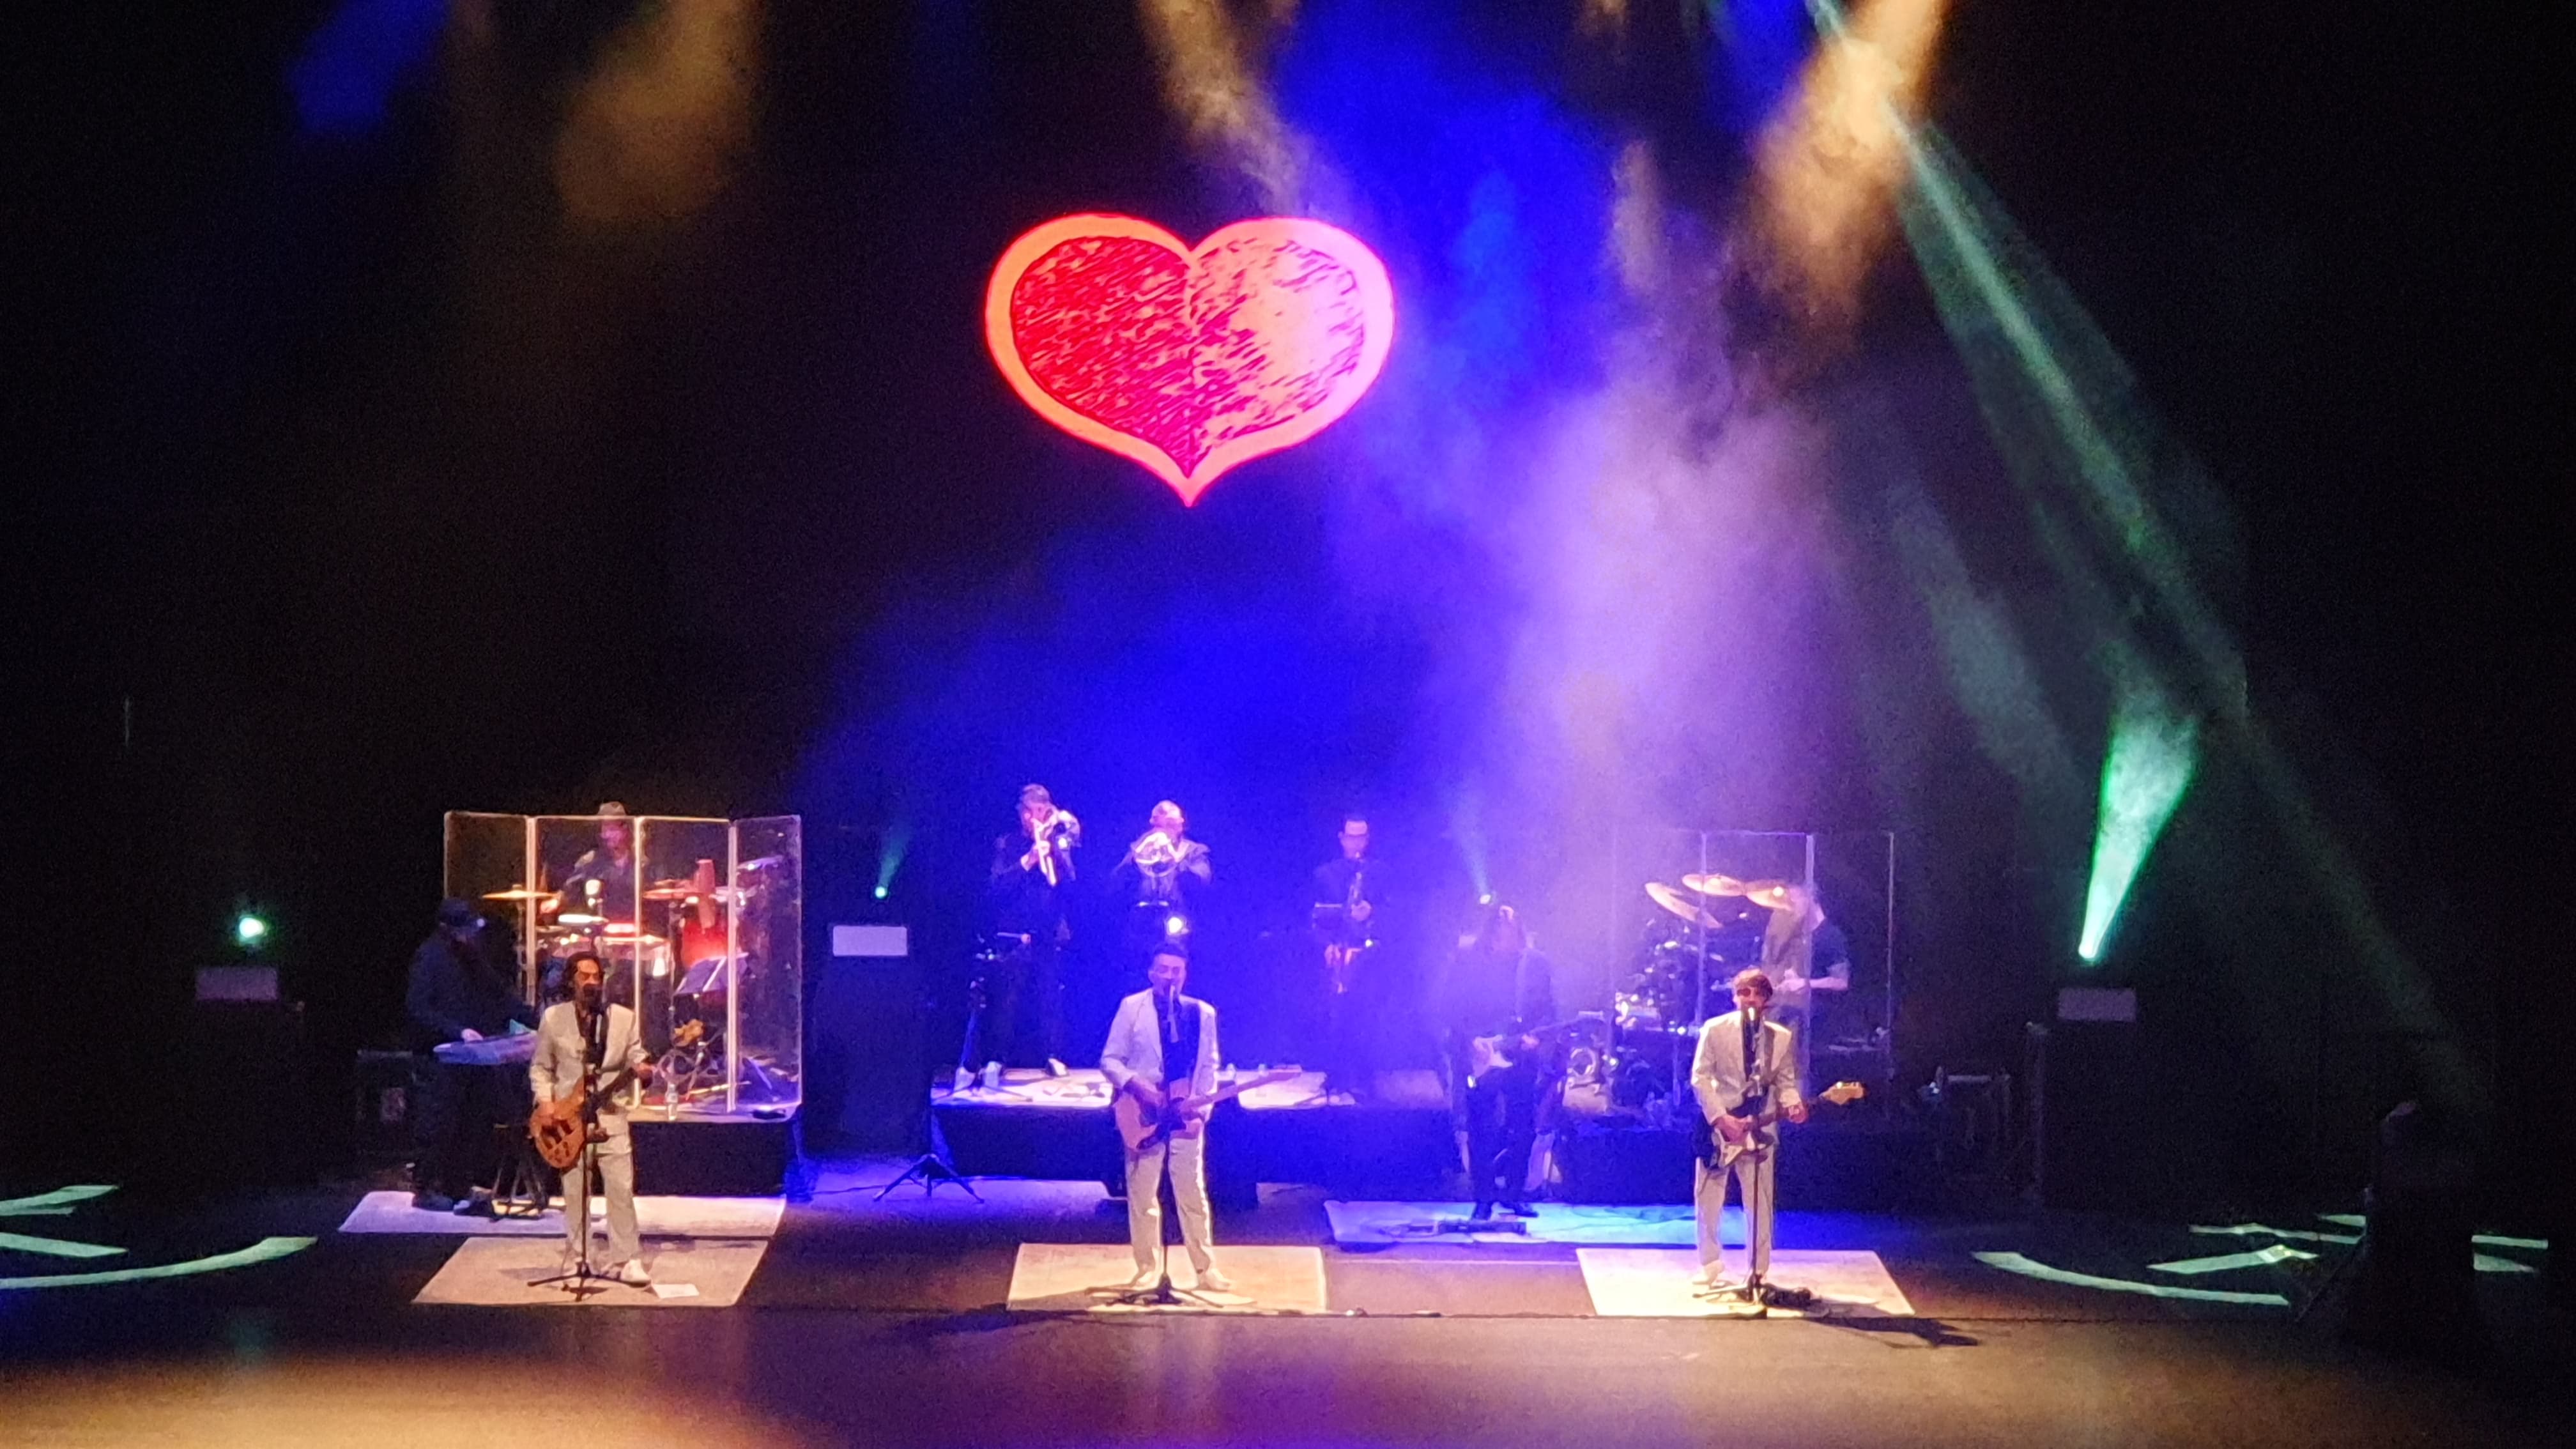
(1144, 1130)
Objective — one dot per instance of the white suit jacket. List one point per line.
(557, 1064)
(1719, 1074)
(1135, 1046)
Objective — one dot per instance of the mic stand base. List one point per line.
(930, 1170)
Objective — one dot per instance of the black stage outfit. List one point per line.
(616, 886)
(1154, 894)
(1489, 995)
(1345, 1032)
(452, 988)
(1023, 1019)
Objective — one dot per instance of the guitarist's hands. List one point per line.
(1731, 1127)
(1797, 1115)
(1147, 1095)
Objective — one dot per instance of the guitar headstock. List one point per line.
(1843, 1093)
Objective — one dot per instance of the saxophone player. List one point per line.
(1345, 919)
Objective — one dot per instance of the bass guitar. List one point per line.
(1719, 1145)
(1144, 1130)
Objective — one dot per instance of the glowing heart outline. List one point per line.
(1374, 304)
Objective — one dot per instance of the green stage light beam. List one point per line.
(2149, 765)
(2062, 406)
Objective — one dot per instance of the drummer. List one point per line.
(602, 881)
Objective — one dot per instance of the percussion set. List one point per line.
(675, 975)
(1711, 926)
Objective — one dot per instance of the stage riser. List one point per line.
(1354, 1151)
(1873, 1171)
(729, 1157)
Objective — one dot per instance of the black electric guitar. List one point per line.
(1493, 1053)
(1719, 1145)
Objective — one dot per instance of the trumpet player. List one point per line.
(1033, 869)
(1161, 876)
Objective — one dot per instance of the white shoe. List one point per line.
(633, 1275)
(1212, 1281)
(1146, 1281)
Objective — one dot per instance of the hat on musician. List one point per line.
(611, 810)
(1036, 795)
(458, 914)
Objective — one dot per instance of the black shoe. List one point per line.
(433, 1202)
(1520, 1210)
(1484, 1213)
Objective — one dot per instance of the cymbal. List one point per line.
(620, 931)
(518, 895)
(1679, 904)
(1772, 893)
(677, 890)
(1713, 884)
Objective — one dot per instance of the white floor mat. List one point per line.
(657, 1217)
(1062, 1276)
(503, 1271)
(1655, 1283)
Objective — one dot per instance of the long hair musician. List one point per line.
(1499, 996)
(588, 1050)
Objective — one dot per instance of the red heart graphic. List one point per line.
(1189, 361)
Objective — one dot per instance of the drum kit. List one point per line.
(1711, 924)
(691, 1010)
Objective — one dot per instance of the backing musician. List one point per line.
(602, 882)
(1803, 953)
(1033, 874)
(589, 1030)
(1498, 994)
(1162, 876)
(453, 994)
(1346, 920)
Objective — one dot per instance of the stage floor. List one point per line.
(930, 1320)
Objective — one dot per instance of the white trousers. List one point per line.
(1752, 1173)
(1145, 1201)
(617, 1174)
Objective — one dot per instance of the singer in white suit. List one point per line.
(564, 1037)
(1163, 1046)
(1745, 1075)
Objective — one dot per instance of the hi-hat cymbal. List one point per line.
(1679, 904)
(1713, 884)
(518, 895)
(670, 890)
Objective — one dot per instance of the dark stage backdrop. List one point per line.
(426, 460)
